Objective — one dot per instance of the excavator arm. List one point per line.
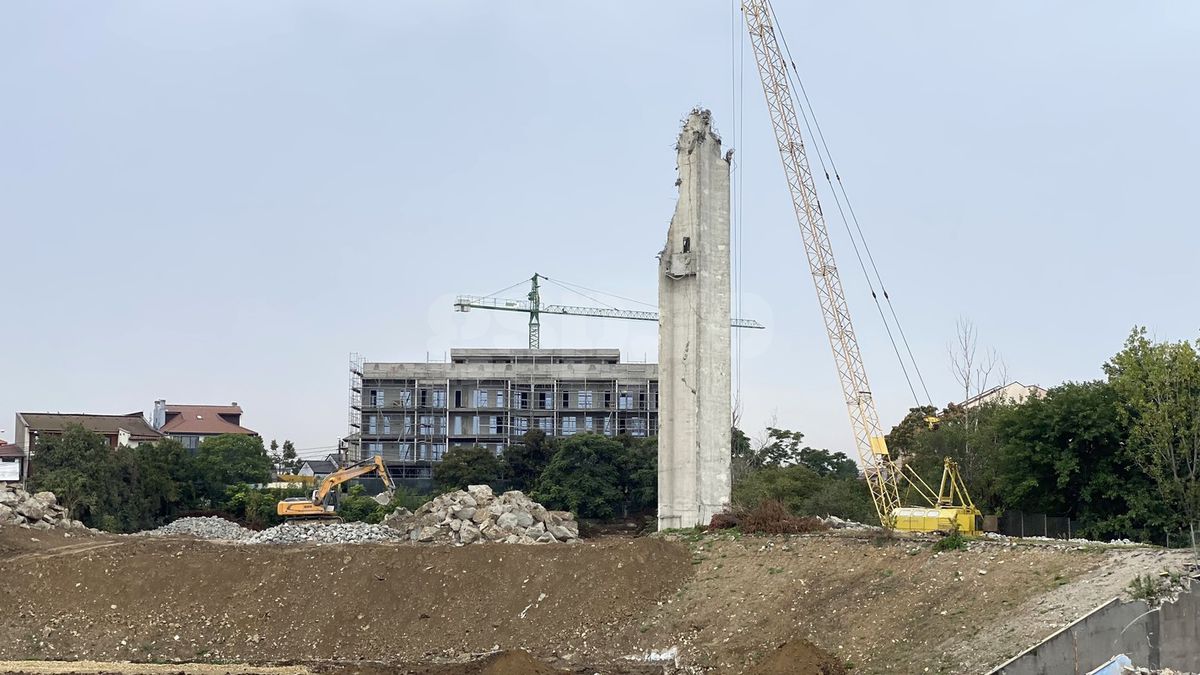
(363, 468)
(316, 507)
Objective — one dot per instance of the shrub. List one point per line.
(772, 517)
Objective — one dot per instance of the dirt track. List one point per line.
(727, 604)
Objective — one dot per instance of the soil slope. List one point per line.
(724, 603)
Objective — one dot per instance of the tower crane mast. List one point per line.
(878, 467)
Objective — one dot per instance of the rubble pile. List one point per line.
(210, 527)
(39, 511)
(836, 523)
(476, 515)
(324, 533)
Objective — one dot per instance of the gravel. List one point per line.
(210, 527)
(319, 533)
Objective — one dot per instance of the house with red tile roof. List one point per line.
(190, 424)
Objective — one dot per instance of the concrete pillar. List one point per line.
(693, 336)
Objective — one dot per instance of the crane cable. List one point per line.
(815, 132)
(737, 88)
(572, 287)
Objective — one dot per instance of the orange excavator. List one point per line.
(320, 506)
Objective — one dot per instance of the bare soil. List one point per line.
(819, 603)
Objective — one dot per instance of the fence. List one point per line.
(1021, 524)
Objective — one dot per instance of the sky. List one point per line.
(220, 201)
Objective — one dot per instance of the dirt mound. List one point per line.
(799, 657)
(151, 599)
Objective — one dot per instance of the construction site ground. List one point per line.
(823, 603)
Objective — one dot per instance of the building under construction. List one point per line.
(412, 413)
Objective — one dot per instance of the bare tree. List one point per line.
(972, 371)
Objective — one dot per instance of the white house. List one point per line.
(1013, 393)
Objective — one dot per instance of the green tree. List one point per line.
(81, 470)
(1159, 386)
(583, 477)
(291, 461)
(470, 465)
(158, 481)
(230, 459)
(525, 461)
(638, 468)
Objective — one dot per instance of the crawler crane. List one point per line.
(951, 508)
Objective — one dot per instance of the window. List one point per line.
(375, 450)
(458, 425)
(585, 399)
(523, 400)
(439, 451)
(377, 398)
(546, 424)
(424, 398)
(428, 422)
(687, 244)
(458, 398)
(521, 424)
(642, 401)
(569, 426)
(637, 426)
(500, 399)
(439, 398)
(475, 425)
(544, 401)
(588, 423)
(481, 398)
(371, 425)
(566, 400)
(405, 451)
(408, 424)
(625, 401)
(387, 424)
(608, 426)
(405, 398)
(494, 425)
(607, 400)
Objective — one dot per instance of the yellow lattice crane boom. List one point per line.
(878, 467)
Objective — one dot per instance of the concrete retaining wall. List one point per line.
(1168, 637)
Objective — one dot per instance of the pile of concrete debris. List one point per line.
(210, 527)
(213, 528)
(37, 511)
(836, 523)
(324, 533)
(476, 515)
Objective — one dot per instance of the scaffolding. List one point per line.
(354, 416)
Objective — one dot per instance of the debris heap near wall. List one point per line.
(476, 515)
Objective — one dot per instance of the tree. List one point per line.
(291, 461)
(525, 461)
(583, 477)
(469, 465)
(158, 482)
(638, 467)
(230, 459)
(1159, 384)
(743, 460)
(81, 470)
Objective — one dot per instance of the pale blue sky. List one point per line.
(216, 201)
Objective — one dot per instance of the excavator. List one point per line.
(319, 506)
(950, 508)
